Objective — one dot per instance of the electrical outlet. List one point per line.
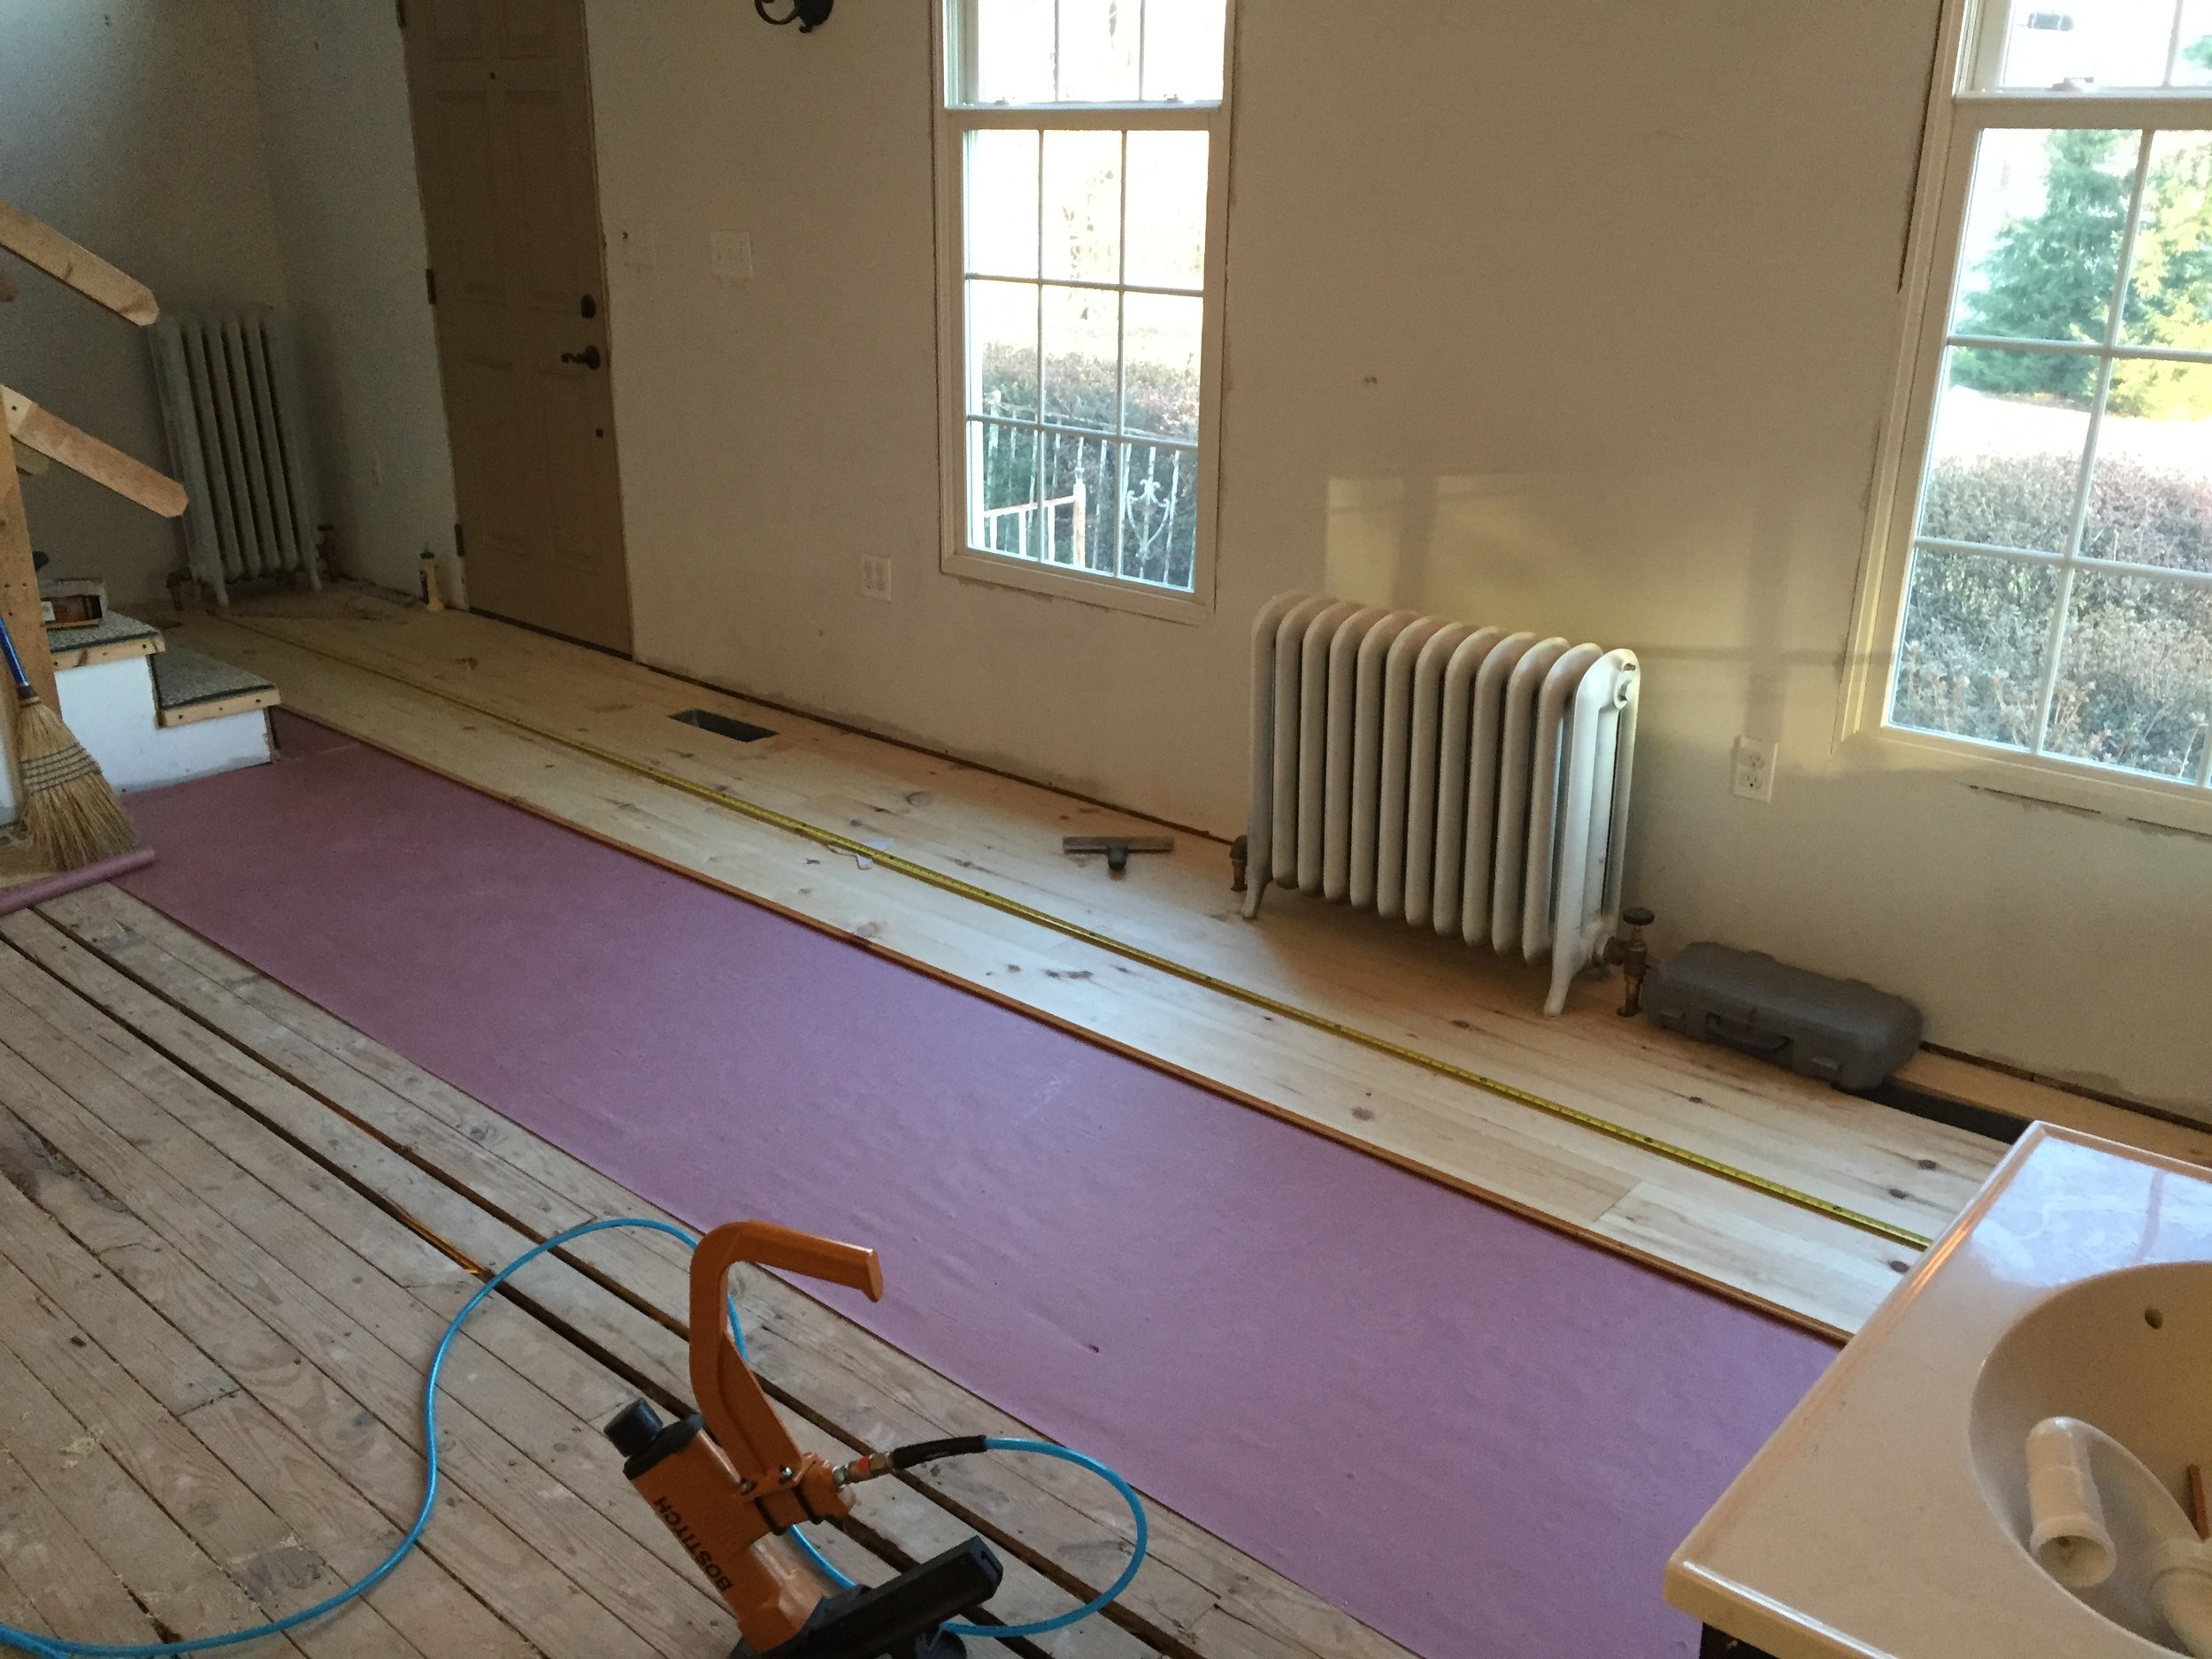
(730, 255)
(875, 576)
(1753, 778)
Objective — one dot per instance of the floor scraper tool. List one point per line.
(729, 1482)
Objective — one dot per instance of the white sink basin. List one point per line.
(1887, 1519)
(2131, 1352)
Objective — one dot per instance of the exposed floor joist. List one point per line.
(231, 1228)
(388, 674)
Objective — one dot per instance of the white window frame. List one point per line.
(1969, 48)
(954, 121)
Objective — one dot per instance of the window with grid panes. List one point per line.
(2045, 579)
(1083, 174)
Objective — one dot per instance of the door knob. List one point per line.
(588, 356)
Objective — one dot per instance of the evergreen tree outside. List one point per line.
(2050, 277)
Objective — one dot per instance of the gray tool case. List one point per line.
(1843, 1032)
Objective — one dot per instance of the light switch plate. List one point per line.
(730, 255)
(1753, 777)
(875, 576)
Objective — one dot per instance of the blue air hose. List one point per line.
(1043, 1626)
(56, 1647)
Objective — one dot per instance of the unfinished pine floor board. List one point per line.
(256, 1221)
(1003, 835)
(1432, 998)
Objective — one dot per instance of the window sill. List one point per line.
(2071, 786)
(1109, 592)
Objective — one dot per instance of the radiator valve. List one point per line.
(1238, 851)
(1628, 950)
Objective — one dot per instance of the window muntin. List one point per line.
(1084, 139)
(2056, 598)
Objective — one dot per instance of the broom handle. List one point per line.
(15, 664)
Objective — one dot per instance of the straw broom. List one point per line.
(70, 811)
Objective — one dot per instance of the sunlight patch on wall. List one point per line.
(1460, 546)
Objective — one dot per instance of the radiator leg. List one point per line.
(1255, 888)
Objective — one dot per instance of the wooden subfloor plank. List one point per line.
(617, 1566)
(514, 1577)
(199, 1494)
(70, 1590)
(159, 1359)
(874, 1395)
(166, 1573)
(15, 1611)
(915, 1528)
(500, 1563)
(422, 1600)
(184, 1191)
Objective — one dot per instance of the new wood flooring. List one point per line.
(232, 1228)
(462, 694)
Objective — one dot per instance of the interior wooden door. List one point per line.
(501, 103)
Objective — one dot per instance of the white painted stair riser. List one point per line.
(110, 706)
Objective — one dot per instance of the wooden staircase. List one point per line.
(151, 714)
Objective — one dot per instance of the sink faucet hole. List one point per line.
(2153, 1318)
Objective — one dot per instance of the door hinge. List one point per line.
(460, 543)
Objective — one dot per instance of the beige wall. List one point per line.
(341, 168)
(227, 151)
(1574, 315)
(1570, 314)
(133, 125)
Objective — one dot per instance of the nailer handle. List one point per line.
(731, 1398)
(787, 1250)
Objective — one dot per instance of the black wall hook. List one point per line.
(808, 14)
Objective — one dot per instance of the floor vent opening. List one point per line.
(722, 725)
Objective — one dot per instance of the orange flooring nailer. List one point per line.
(731, 1485)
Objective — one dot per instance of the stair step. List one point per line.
(190, 686)
(113, 636)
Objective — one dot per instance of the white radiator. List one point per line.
(230, 401)
(1467, 779)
